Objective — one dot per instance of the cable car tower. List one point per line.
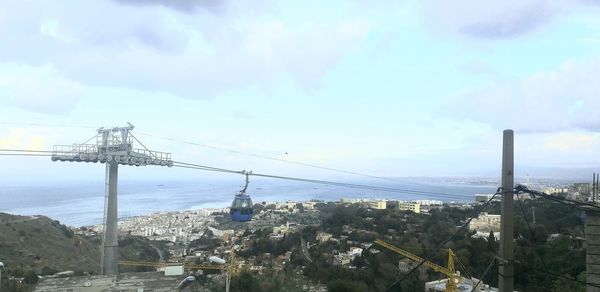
(113, 147)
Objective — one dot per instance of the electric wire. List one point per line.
(583, 206)
(463, 267)
(489, 267)
(544, 266)
(441, 245)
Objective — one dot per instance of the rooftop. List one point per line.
(149, 281)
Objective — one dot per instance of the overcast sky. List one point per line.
(397, 88)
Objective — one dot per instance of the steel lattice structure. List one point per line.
(113, 147)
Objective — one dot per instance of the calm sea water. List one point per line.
(82, 203)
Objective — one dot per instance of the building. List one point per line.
(323, 236)
(355, 251)
(485, 235)
(482, 198)
(379, 205)
(485, 222)
(467, 285)
(146, 281)
(410, 206)
(405, 265)
(428, 205)
(342, 259)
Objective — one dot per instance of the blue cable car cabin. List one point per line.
(241, 207)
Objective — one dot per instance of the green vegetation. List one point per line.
(249, 282)
(135, 248)
(31, 243)
(420, 234)
(31, 246)
(563, 255)
(38, 245)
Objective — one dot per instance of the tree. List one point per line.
(48, 271)
(346, 286)
(245, 282)
(491, 242)
(31, 277)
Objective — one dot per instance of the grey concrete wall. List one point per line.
(592, 260)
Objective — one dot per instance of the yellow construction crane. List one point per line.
(231, 268)
(453, 278)
(228, 269)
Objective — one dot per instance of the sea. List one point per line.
(79, 203)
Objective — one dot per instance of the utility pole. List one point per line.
(506, 270)
(595, 187)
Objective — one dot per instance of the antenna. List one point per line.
(113, 146)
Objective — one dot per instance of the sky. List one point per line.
(390, 88)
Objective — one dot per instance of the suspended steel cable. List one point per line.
(324, 182)
(25, 154)
(136, 139)
(223, 170)
(26, 150)
(46, 125)
(273, 158)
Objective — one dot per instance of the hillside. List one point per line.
(34, 242)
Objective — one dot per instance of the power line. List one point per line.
(489, 267)
(441, 245)
(583, 206)
(531, 243)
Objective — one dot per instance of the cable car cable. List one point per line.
(350, 185)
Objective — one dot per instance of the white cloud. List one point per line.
(39, 89)
(20, 138)
(490, 19)
(197, 55)
(564, 99)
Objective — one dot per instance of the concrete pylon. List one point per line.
(110, 243)
(592, 257)
(506, 270)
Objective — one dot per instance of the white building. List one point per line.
(410, 206)
(485, 222)
(379, 204)
(467, 285)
